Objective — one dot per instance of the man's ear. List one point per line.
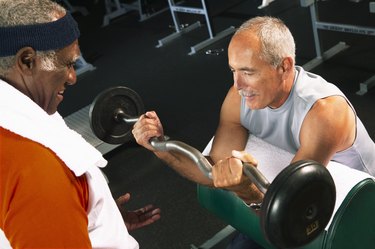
(25, 60)
(286, 66)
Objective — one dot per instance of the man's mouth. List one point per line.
(246, 94)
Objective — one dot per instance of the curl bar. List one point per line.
(297, 205)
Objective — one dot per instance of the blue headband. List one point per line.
(42, 37)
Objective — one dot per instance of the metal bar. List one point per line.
(217, 238)
(121, 116)
(111, 14)
(174, 16)
(176, 34)
(256, 177)
(360, 30)
(341, 46)
(372, 7)
(189, 10)
(74, 9)
(118, 5)
(83, 66)
(354, 29)
(306, 3)
(314, 17)
(209, 41)
(208, 19)
(195, 155)
(265, 3)
(144, 15)
(204, 165)
(203, 11)
(365, 86)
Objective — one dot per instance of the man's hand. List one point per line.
(137, 218)
(228, 174)
(147, 127)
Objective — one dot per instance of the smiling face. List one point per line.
(260, 83)
(45, 85)
(49, 86)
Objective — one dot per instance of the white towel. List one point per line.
(21, 115)
(272, 160)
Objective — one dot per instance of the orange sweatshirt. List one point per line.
(43, 204)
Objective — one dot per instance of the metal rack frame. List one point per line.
(114, 9)
(339, 47)
(175, 8)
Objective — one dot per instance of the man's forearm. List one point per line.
(184, 166)
(249, 194)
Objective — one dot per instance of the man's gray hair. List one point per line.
(26, 12)
(275, 37)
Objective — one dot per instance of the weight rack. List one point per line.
(339, 47)
(115, 9)
(176, 8)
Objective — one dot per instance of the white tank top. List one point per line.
(281, 126)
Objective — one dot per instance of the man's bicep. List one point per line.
(230, 134)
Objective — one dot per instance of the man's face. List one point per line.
(49, 86)
(255, 79)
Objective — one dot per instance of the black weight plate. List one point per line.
(103, 109)
(298, 204)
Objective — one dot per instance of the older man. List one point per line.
(53, 194)
(278, 102)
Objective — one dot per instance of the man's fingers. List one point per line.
(244, 157)
(123, 199)
(227, 172)
(147, 127)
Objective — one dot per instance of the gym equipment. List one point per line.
(351, 226)
(339, 47)
(116, 8)
(213, 36)
(111, 114)
(297, 205)
(73, 8)
(265, 3)
(82, 66)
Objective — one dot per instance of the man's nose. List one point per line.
(237, 80)
(72, 76)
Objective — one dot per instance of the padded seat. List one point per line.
(352, 226)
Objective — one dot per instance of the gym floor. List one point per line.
(187, 91)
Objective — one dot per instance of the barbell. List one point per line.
(297, 205)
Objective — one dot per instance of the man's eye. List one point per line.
(71, 64)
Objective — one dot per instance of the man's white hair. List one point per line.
(275, 37)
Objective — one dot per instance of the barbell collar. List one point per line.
(121, 116)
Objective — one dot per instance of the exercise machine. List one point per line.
(182, 29)
(339, 47)
(297, 205)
